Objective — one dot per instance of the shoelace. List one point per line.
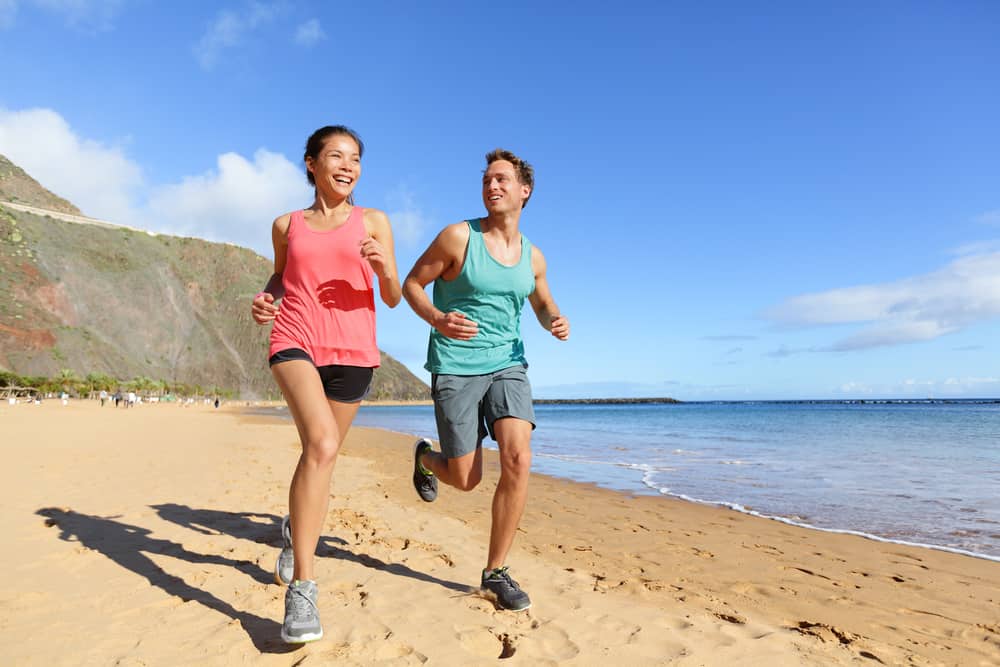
(503, 575)
(301, 605)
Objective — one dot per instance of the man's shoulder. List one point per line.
(455, 233)
(461, 227)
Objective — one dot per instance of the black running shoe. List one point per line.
(425, 484)
(509, 595)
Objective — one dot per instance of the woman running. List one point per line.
(323, 351)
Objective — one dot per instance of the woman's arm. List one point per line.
(379, 250)
(263, 308)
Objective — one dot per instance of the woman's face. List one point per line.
(337, 167)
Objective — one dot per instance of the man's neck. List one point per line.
(505, 225)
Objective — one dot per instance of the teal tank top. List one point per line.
(491, 295)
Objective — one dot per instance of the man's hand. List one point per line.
(559, 327)
(456, 325)
(263, 309)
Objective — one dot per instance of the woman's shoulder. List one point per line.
(375, 220)
(374, 215)
(282, 222)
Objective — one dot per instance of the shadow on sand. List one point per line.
(266, 529)
(129, 545)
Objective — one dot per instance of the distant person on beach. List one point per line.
(482, 270)
(323, 351)
(104, 396)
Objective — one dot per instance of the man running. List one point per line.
(482, 270)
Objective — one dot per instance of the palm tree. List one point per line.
(67, 378)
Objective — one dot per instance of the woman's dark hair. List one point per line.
(314, 144)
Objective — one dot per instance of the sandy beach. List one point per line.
(148, 537)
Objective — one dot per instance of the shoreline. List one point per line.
(649, 491)
(165, 522)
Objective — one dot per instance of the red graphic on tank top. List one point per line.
(340, 294)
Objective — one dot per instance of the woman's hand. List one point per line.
(263, 309)
(375, 254)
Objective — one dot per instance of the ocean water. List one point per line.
(918, 473)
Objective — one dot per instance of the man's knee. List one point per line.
(515, 460)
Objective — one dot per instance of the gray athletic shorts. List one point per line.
(465, 406)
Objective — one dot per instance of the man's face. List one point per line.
(502, 191)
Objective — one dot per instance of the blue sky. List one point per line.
(789, 200)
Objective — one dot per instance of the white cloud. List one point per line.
(957, 296)
(408, 221)
(100, 179)
(971, 387)
(854, 388)
(309, 33)
(784, 351)
(8, 13)
(228, 29)
(89, 15)
(973, 383)
(977, 248)
(233, 202)
(989, 217)
(96, 15)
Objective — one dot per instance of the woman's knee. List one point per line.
(321, 451)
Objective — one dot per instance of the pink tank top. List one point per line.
(329, 304)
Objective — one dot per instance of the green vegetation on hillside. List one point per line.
(93, 383)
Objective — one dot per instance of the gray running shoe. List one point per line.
(509, 595)
(301, 613)
(426, 485)
(284, 569)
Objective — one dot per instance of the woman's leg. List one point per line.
(322, 426)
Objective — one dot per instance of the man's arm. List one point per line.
(440, 260)
(542, 302)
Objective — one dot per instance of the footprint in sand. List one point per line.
(614, 630)
(483, 642)
(378, 651)
(550, 641)
(825, 633)
(478, 601)
(728, 617)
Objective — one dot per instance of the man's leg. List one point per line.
(460, 431)
(514, 439)
(463, 473)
